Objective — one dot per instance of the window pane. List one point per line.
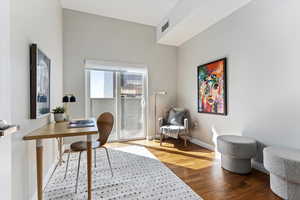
(101, 84)
(131, 84)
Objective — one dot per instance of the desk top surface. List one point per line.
(56, 130)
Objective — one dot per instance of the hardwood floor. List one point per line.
(200, 169)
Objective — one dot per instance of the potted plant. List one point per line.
(59, 114)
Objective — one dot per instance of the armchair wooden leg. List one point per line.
(161, 138)
(185, 141)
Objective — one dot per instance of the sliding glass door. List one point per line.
(132, 105)
(121, 92)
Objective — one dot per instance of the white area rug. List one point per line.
(137, 175)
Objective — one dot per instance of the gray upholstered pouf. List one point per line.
(284, 167)
(236, 152)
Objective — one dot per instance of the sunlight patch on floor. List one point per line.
(185, 157)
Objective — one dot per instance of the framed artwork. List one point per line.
(39, 83)
(212, 89)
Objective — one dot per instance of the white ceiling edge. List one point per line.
(198, 19)
(147, 12)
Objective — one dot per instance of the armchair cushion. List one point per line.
(172, 130)
(176, 116)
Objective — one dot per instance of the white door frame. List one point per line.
(117, 66)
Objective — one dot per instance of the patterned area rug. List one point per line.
(137, 175)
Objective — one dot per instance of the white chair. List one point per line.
(176, 124)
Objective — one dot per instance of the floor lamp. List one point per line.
(155, 100)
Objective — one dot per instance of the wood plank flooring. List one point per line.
(200, 169)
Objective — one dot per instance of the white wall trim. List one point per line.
(150, 137)
(46, 178)
(114, 65)
(202, 144)
(256, 165)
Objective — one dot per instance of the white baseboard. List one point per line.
(46, 179)
(150, 137)
(202, 144)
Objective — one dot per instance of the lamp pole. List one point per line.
(155, 101)
(155, 133)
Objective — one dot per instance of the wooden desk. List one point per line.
(60, 130)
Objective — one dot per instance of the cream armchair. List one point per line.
(176, 124)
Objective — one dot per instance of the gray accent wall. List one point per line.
(100, 38)
(261, 42)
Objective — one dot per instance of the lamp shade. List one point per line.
(72, 98)
(65, 99)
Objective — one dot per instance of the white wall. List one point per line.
(190, 17)
(261, 42)
(5, 142)
(39, 22)
(94, 37)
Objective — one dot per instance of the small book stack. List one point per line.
(81, 123)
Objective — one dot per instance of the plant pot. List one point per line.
(59, 117)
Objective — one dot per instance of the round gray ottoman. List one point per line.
(236, 152)
(284, 167)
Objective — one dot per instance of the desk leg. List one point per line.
(89, 166)
(60, 144)
(39, 168)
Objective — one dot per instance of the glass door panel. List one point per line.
(100, 106)
(132, 106)
(123, 95)
(103, 96)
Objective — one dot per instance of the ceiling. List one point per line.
(191, 17)
(187, 18)
(149, 12)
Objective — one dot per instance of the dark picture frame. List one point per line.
(212, 87)
(40, 66)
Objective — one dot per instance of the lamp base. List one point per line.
(67, 117)
(156, 137)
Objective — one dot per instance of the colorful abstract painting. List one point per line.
(212, 88)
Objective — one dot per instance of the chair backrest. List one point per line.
(175, 116)
(182, 113)
(105, 123)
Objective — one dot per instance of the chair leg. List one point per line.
(67, 164)
(161, 138)
(185, 141)
(76, 186)
(112, 174)
(95, 157)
